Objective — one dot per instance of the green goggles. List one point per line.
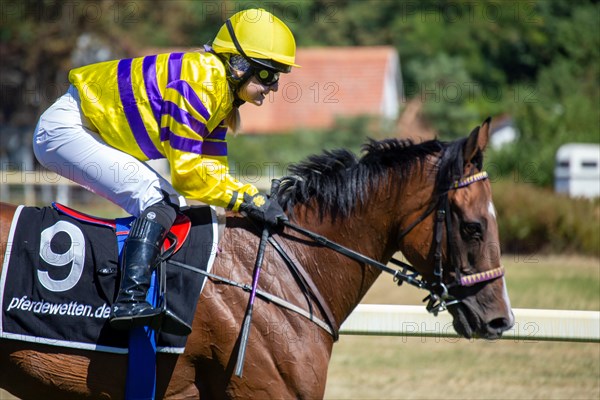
(266, 77)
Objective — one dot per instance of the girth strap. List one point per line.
(265, 295)
(296, 267)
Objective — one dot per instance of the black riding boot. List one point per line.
(142, 248)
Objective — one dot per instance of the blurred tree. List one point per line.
(447, 91)
(537, 60)
(38, 38)
(560, 103)
(36, 43)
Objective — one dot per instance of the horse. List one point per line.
(429, 200)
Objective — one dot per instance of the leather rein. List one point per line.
(439, 298)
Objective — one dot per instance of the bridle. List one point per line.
(439, 297)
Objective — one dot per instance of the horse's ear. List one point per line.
(477, 140)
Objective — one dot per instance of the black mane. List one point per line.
(338, 181)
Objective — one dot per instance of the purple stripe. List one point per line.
(165, 133)
(132, 113)
(174, 67)
(471, 179)
(184, 89)
(183, 117)
(214, 148)
(186, 144)
(149, 68)
(195, 146)
(219, 133)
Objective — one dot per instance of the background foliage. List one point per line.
(536, 220)
(536, 61)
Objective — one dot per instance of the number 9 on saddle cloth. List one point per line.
(61, 273)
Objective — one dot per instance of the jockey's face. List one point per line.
(255, 92)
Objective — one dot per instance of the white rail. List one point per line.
(530, 324)
(28, 180)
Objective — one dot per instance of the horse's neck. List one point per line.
(341, 280)
(372, 231)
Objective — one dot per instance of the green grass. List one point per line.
(414, 368)
(554, 282)
(435, 368)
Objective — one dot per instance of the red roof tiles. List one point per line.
(333, 82)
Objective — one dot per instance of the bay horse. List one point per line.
(385, 201)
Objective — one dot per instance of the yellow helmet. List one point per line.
(259, 36)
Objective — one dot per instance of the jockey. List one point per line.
(178, 106)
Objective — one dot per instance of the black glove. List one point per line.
(261, 209)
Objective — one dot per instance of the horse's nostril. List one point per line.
(500, 324)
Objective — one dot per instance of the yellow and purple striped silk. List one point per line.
(168, 105)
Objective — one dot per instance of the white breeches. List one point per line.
(64, 143)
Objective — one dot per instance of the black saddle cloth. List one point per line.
(60, 279)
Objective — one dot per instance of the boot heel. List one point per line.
(142, 248)
(148, 317)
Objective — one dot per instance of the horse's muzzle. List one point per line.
(470, 324)
(497, 326)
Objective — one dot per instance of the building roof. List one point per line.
(333, 82)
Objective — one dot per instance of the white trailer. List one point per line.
(577, 170)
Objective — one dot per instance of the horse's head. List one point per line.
(430, 200)
(454, 243)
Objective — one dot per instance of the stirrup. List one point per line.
(172, 324)
(127, 322)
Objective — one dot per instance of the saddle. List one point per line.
(177, 236)
(167, 321)
(61, 277)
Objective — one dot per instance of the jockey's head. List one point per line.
(256, 43)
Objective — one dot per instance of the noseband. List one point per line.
(439, 297)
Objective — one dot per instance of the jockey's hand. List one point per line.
(259, 208)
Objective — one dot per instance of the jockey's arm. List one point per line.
(197, 154)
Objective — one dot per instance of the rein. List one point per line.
(439, 298)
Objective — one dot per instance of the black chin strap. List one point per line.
(237, 102)
(439, 298)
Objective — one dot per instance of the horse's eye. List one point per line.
(471, 231)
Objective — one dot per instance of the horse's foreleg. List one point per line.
(38, 371)
(179, 374)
